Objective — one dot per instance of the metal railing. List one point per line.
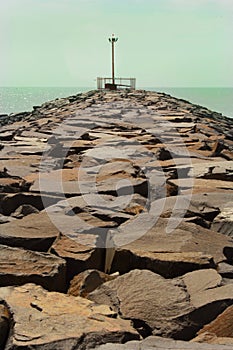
(127, 83)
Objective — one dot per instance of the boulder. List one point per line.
(5, 219)
(12, 201)
(79, 256)
(211, 338)
(188, 247)
(51, 320)
(12, 185)
(87, 281)
(222, 326)
(223, 222)
(24, 210)
(33, 232)
(157, 343)
(175, 308)
(19, 266)
(225, 270)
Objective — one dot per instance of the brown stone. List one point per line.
(19, 266)
(87, 281)
(33, 232)
(222, 326)
(157, 343)
(51, 320)
(175, 308)
(188, 247)
(79, 256)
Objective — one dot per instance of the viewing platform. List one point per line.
(122, 83)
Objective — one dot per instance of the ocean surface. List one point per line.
(20, 99)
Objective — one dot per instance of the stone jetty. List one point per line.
(116, 224)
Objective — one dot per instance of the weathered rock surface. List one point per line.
(12, 202)
(49, 320)
(19, 266)
(143, 174)
(223, 222)
(33, 232)
(211, 338)
(189, 247)
(87, 281)
(222, 326)
(79, 257)
(169, 308)
(157, 343)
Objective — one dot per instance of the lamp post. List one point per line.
(113, 40)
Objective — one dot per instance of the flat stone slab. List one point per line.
(175, 308)
(203, 186)
(11, 202)
(79, 256)
(19, 266)
(222, 326)
(57, 321)
(33, 232)
(172, 254)
(157, 343)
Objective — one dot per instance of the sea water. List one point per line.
(20, 99)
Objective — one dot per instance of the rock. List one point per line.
(225, 270)
(33, 232)
(157, 343)
(4, 324)
(166, 264)
(24, 210)
(79, 257)
(19, 266)
(215, 170)
(223, 222)
(217, 148)
(222, 326)
(7, 135)
(164, 154)
(12, 185)
(201, 186)
(181, 306)
(198, 282)
(50, 320)
(17, 164)
(12, 201)
(5, 219)
(211, 338)
(71, 183)
(133, 296)
(108, 161)
(189, 247)
(87, 281)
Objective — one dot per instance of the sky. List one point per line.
(166, 43)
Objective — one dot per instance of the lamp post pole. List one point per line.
(113, 40)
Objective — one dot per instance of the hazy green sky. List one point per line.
(167, 43)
